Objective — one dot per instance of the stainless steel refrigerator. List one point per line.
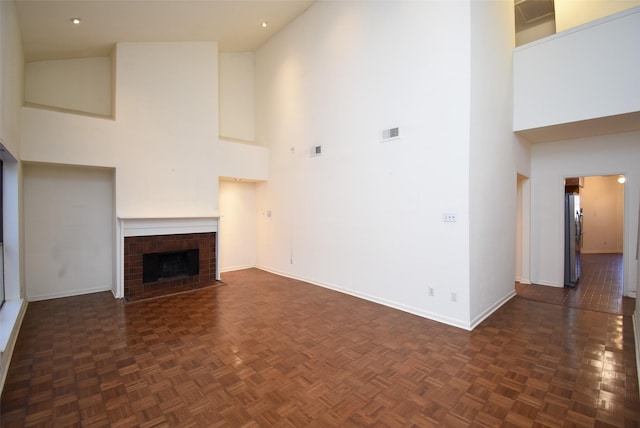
(572, 239)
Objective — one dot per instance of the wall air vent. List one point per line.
(390, 134)
(316, 151)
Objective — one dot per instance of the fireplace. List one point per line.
(170, 265)
(157, 265)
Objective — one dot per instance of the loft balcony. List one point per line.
(579, 82)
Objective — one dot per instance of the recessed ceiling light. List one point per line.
(263, 24)
(75, 21)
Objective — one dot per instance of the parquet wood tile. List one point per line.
(600, 287)
(264, 350)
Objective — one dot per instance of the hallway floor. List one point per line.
(600, 287)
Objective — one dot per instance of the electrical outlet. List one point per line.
(431, 291)
(454, 297)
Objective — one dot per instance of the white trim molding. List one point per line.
(167, 226)
(11, 316)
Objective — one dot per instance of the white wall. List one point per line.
(82, 84)
(162, 141)
(366, 217)
(238, 225)
(11, 90)
(536, 32)
(571, 13)
(237, 95)
(494, 156)
(523, 236)
(167, 129)
(11, 78)
(246, 161)
(69, 238)
(54, 137)
(11, 94)
(585, 73)
(602, 202)
(551, 163)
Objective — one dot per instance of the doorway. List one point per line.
(602, 202)
(601, 283)
(523, 196)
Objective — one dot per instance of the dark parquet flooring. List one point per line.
(264, 350)
(600, 287)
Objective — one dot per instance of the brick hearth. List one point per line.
(136, 246)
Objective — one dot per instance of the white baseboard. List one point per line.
(389, 303)
(548, 284)
(487, 312)
(69, 293)
(234, 268)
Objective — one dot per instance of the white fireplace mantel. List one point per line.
(137, 226)
(167, 226)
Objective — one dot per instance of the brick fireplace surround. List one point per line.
(185, 236)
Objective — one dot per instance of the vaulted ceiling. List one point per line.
(48, 33)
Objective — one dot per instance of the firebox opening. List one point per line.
(170, 265)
